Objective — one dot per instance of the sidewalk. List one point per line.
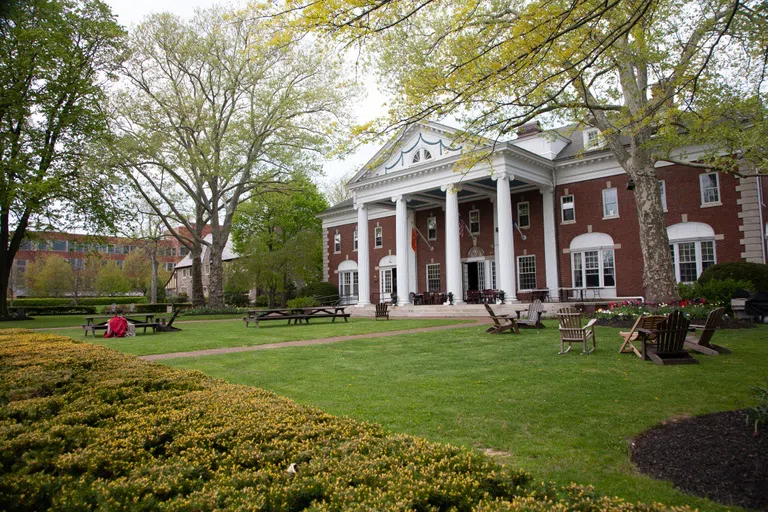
(303, 343)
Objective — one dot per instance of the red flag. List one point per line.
(414, 238)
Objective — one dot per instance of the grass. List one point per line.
(563, 417)
(233, 333)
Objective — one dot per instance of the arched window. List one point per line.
(692, 248)
(421, 154)
(592, 261)
(348, 281)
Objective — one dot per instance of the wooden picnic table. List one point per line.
(295, 315)
(91, 325)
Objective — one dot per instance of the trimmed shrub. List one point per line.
(54, 310)
(82, 301)
(179, 298)
(720, 291)
(261, 301)
(43, 302)
(755, 273)
(205, 310)
(99, 301)
(302, 302)
(238, 299)
(86, 427)
(319, 289)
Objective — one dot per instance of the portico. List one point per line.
(427, 181)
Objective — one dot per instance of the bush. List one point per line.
(205, 310)
(630, 310)
(319, 289)
(302, 302)
(160, 308)
(755, 273)
(720, 291)
(262, 301)
(238, 299)
(86, 427)
(42, 302)
(686, 291)
(54, 310)
(759, 413)
(98, 301)
(179, 298)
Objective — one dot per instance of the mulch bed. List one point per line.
(715, 456)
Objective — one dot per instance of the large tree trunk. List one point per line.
(6, 261)
(216, 277)
(153, 281)
(658, 272)
(198, 297)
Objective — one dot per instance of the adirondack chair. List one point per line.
(533, 316)
(501, 323)
(649, 323)
(702, 343)
(382, 310)
(664, 345)
(572, 332)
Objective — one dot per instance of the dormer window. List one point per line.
(421, 154)
(592, 139)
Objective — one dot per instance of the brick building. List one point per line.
(545, 211)
(76, 248)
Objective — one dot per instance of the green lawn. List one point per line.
(562, 417)
(55, 321)
(233, 333)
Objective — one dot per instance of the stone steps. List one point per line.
(463, 310)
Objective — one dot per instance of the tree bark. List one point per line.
(198, 297)
(216, 276)
(153, 281)
(658, 272)
(6, 260)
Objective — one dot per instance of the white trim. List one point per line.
(706, 204)
(607, 215)
(381, 229)
(469, 222)
(528, 204)
(535, 276)
(562, 209)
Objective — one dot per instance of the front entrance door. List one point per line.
(387, 283)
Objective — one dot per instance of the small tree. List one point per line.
(111, 281)
(137, 269)
(49, 276)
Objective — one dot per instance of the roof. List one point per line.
(226, 255)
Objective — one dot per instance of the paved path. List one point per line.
(303, 343)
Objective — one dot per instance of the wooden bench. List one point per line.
(91, 326)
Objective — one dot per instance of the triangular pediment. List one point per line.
(418, 145)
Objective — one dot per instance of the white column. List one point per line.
(505, 266)
(412, 268)
(550, 244)
(452, 243)
(363, 261)
(403, 242)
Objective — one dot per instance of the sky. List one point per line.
(131, 12)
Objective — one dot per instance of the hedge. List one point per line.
(83, 427)
(756, 273)
(54, 310)
(82, 301)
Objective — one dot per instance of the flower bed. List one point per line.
(83, 427)
(629, 310)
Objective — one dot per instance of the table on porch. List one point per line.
(565, 293)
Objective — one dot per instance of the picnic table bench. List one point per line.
(295, 315)
(91, 325)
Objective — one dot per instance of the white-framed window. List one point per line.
(386, 280)
(526, 272)
(592, 139)
(170, 266)
(378, 237)
(432, 228)
(691, 258)
(354, 241)
(593, 269)
(421, 155)
(610, 203)
(663, 192)
(433, 277)
(524, 214)
(568, 208)
(474, 222)
(348, 284)
(337, 243)
(710, 188)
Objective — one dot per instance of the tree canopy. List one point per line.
(280, 237)
(54, 57)
(639, 70)
(220, 108)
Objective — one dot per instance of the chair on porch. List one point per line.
(533, 316)
(572, 332)
(474, 297)
(701, 343)
(501, 323)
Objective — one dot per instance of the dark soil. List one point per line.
(716, 456)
